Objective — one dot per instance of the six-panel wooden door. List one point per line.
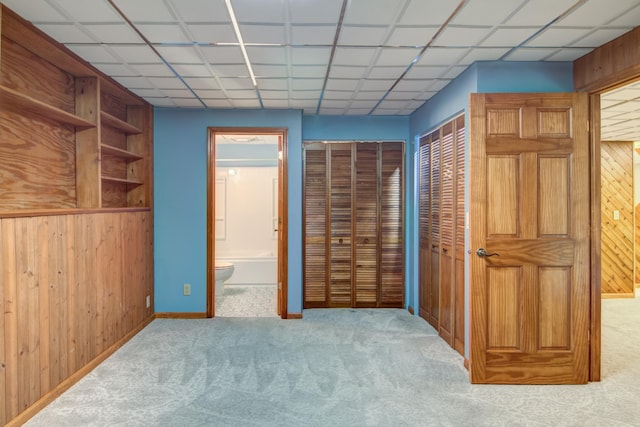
(353, 224)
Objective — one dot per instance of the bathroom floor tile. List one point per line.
(247, 301)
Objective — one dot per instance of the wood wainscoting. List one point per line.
(72, 287)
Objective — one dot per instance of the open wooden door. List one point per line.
(529, 236)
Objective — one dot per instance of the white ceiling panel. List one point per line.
(462, 36)
(310, 55)
(315, 12)
(396, 94)
(112, 69)
(113, 33)
(331, 111)
(229, 83)
(93, 53)
(313, 34)
(89, 11)
(390, 56)
(255, 33)
(372, 12)
(152, 70)
(357, 111)
(140, 11)
(243, 94)
(539, 12)
(556, 36)
(529, 54)
(483, 54)
(274, 94)
(262, 70)
(304, 103)
(362, 35)
(222, 54)
(423, 96)
(166, 83)
(267, 54)
(334, 103)
(309, 71)
(275, 103)
(187, 102)
(67, 33)
(599, 37)
(386, 72)
(164, 33)
(359, 56)
(487, 12)
(595, 12)
(176, 93)
(35, 10)
(338, 94)
(412, 85)
(368, 104)
(508, 36)
(305, 94)
(568, 54)
(210, 94)
(217, 103)
(146, 93)
(201, 10)
(438, 85)
(212, 33)
(346, 72)
(454, 72)
(202, 83)
(192, 70)
(370, 95)
(411, 36)
(442, 56)
(376, 84)
(307, 84)
(230, 70)
(342, 84)
(628, 20)
(160, 102)
(426, 72)
(137, 53)
(134, 82)
(251, 11)
(380, 111)
(273, 84)
(420, 12)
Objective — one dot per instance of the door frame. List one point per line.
(283, 209)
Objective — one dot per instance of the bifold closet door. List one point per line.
(424, 227)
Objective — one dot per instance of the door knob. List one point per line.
(482, 253)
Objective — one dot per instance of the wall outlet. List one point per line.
(186, 289)
(148, 301)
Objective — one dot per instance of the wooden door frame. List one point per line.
(283, 202)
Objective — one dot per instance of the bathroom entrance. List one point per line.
(246, 222)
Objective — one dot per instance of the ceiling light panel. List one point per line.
(67, 33)
(593, 13)
(489, 13)
(139, 53)
(315, 11)
(141, 11)
(36, 10)
(164, 33)
(312, 34)
(372, 12)
(310, 55)
(362, 35)
(420, 12)
(411, 36)
(252, 11)
(211, 33)
(113, 33)
(390, 56)
(272, 34)
(201, 10)
(539, 12)
(276, 55)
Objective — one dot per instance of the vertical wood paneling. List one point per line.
(59, 307)
(617, 234)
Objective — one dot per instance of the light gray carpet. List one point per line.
(334, 368)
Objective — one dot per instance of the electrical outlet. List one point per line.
(186, 289)
(148, 301)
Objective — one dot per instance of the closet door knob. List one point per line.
(340, 241)
(366, 240)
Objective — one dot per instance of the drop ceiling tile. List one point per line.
(369, 95)
(413, 105)
(191, 70)
(273, 84)
(140, 11)
(310, 71)
(397, 56)
(67, 33)
(424, 96)
(305, 94)
(342, 84)
(412, 36)
(454, 36)
(337, 94)
(229, 83)
(210, 94)
(362, 35)
(530, 54)
(134, 82)
(412, 85)
(629, 19)
(154, 70)
(160, 102)
(502, 37)
(438, 85)
(391, 104)
(368, 105)
(310, 55)
(217, 103)
(357, 111)
(166, 82)
(376, 84)
(164, 33)
(267, 54)
(317, 12)
(333, 103)
(259, 11)
(386, 111)
(275, 103)
(304, 103)
(331, 111)
(274, 71)
(274, 94)
(242, 94)
(539, 12)
(313, 34)
(307, 84)
(426, 72)
(148, 93)
(222, 54)
(254, 33)
(134, 53)
(212, 33)
(176, 93)
(113, 33)
(372, 12)
(92, 53)
(420, 12)
(568, 54)
(179, 54)
(36, 10)
(441, 56)
(594, 13)
(201, 10)
(401, 95)
(558, 37)
(202, 83)
(354, 56)
(483, 54)
(489, 13)
(116, 69)
(386, 72)
(454, 72)
(230, 70)
(599, 37)
(346, 72)
(187, 103)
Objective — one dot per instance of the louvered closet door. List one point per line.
(446, 233)
(424, 228)
(366, 226)
(340, 218)
(434, 154)
(458, 328)
(315, 226)
(392, 212)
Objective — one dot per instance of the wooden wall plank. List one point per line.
(41, 253)
(10, 316)
(58, 303)
(3, 354)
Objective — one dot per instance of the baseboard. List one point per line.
(466, 363)
(294, 315)
(410, 309)
(55, 392)
(621, 295)
(186, 315)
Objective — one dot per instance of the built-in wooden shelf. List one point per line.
(121, 180)
(118, 152)
(27, 104)
(113, 121)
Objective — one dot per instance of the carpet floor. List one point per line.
(334, 368)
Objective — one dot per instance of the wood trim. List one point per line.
(54, 212)
(616, 295)
(211, 173)
(52, 395)
(283, 228)
(184, 315)
(466, 363)
(294, 316)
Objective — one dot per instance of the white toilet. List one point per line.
(224, 270)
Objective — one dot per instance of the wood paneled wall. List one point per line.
(71, 286)
(617, 234)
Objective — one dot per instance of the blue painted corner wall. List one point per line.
(180, 172)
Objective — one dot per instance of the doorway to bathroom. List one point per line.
(247, 222)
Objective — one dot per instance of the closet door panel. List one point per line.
(447, 181)
(392, 225)
(424, 229)
(458, 338)
(434, 242)
(315, 227)
(366, 225)
(340, 257)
